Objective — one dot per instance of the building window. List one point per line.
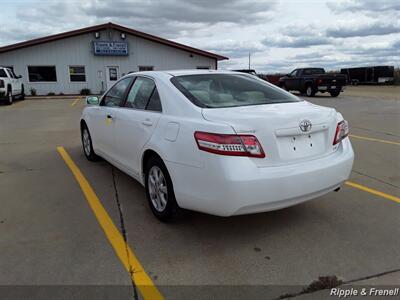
(203, 68)
(146, 68)
(42, 74)
(77, 74)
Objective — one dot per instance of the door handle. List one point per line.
(109, 116)
(147, 123)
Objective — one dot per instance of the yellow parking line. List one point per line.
(75, 101)
(374, 140)
(372, 191)
(143, 282)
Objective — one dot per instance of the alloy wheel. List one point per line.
(158, 190)
(86, 141)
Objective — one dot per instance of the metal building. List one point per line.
(95, 57)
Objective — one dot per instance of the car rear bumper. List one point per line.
(228, 186)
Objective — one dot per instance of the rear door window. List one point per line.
(140, 93)
(3, 73)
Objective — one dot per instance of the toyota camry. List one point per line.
(219, 142)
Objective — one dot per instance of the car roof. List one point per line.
(184, 72)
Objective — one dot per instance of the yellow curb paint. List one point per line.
(75, 101)
(129, 260)
(374, 140)
(372, 191)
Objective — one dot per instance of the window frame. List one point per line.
(148, 100)
(45, 82)
(69, 73)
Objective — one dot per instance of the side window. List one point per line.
(154, 102)
(116, 95)
(10, 73)
(294, 73)
(140, 93)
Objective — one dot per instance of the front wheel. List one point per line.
(88, 145)
(335, 93)
(159, 190)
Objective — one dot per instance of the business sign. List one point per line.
(111, 48)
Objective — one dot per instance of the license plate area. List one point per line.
(301, 146)
(333, 87)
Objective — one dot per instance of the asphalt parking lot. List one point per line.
(52, 234)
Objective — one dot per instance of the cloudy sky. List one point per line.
(279, 34)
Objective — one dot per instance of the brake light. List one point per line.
(342, 131)
(1, 83)
(229, 144)
(319, 81)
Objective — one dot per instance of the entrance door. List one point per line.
(112, 75)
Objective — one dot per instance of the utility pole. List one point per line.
(249, 60)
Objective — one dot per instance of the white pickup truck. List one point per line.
(11, 86)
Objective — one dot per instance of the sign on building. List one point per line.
(111, 48)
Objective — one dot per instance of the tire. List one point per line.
(310, 92)
(283, 86)
(87, 144)
(334, 93)
(159, 191)
(22, 96)
(10, 97)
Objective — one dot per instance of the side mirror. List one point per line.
(92, 100)
(287, 75)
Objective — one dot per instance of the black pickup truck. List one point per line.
(312, 80)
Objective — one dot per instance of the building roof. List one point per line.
(59, 36)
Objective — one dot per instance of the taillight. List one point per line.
(342, 131)
(1, 83)
(319, 81)
(229, 144)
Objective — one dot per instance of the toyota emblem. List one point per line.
(305, 125)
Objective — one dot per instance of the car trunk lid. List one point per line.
(277, 127)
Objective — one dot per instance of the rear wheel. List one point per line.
(310, 92)
(159, 190)
(10, 97)
(22, 96)
(88, 145)
(335, 93)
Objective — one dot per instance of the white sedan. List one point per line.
(222, 143)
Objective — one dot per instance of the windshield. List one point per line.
(229, 90)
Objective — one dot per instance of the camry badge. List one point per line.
(305, 125)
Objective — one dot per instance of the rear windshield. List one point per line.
(229, 90)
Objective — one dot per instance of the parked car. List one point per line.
(313, 80)
(11, 86)
(218, 142)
